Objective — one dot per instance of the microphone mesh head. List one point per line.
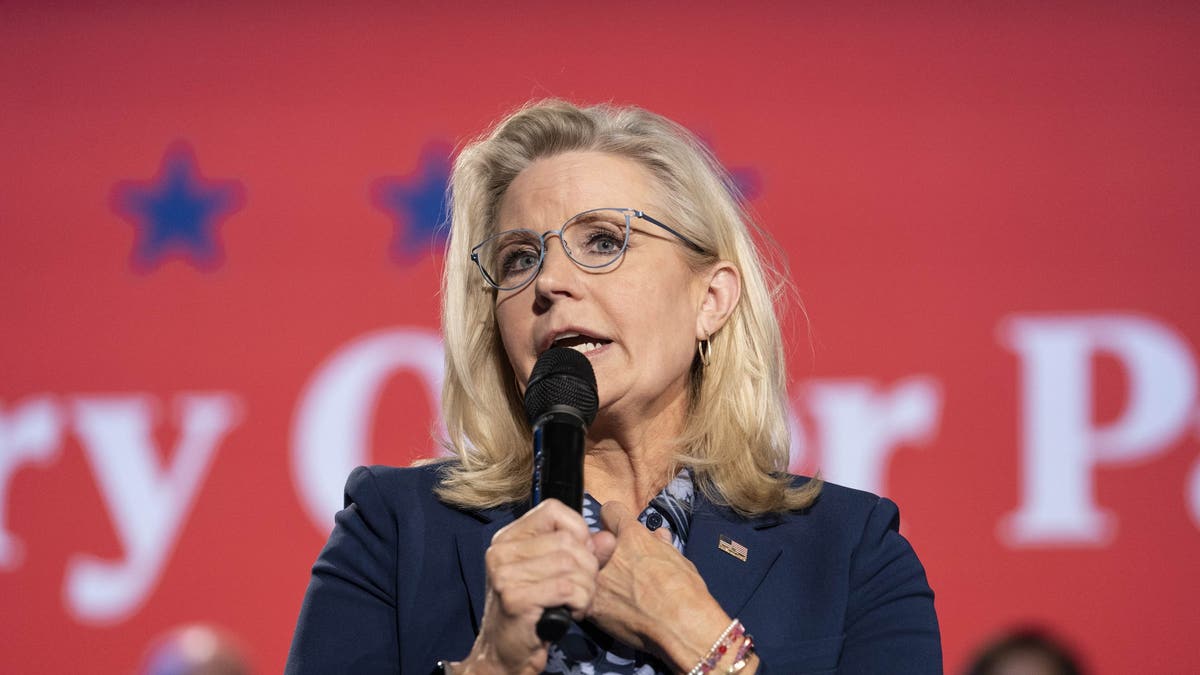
(561, 376)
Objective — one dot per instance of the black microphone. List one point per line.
(560, 401)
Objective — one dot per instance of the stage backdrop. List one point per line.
(220, 247)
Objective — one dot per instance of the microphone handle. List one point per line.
(558, 442)
(554, 624)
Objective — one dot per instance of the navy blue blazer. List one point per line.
(830, 589)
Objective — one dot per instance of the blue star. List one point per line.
(416, 203)
(176, 212)
(747, 181)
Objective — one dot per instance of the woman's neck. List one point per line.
(631, 462)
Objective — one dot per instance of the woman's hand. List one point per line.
(544, 559)
(648, 595)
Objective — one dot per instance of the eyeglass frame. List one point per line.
(629, 215)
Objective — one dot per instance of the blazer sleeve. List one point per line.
(891, 626)
(347, 622)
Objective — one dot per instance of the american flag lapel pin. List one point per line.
(733, 548)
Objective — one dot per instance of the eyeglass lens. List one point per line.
(593, 239)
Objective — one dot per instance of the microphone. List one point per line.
(560, 401)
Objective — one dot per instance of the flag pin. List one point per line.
(733, 548)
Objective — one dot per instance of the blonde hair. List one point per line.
(736, 438)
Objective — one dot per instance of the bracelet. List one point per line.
(742, 659)
(734, 631)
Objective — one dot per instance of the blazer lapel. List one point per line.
(472, 545)
(731, 580)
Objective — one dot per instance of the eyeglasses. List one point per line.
(593, 239)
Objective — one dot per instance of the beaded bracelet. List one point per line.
(731, 634)
(742, 659)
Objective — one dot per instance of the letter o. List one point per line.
(331, 427)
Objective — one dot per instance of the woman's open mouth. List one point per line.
(583, 344)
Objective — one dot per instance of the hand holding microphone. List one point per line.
(542, 567)
(560, 402)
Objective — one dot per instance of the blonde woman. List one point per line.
(613, 232)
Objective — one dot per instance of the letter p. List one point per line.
(1060, 443)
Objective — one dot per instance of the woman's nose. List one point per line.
(559, 275)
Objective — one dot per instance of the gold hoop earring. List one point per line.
(704, 348)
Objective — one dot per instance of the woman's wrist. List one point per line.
(731, 653)
(475, 666)
(479, 661)
(687, 640)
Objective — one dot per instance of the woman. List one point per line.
(613, 232)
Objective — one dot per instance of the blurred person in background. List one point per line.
(1025, 651)
(196, 649)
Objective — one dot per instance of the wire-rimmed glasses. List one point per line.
(593, 239)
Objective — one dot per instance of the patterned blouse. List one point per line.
(585, 649)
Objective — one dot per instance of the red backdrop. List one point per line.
(220, 271)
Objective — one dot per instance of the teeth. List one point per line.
(583, 343)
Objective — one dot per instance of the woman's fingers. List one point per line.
(664, 535)
(552, 564)
(536, 584)
(615, 516)
(551, 515)
(604, 543)
(512, 550)
(544, 559)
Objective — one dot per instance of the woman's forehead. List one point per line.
(553, 189)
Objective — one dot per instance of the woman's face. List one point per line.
(636, 321)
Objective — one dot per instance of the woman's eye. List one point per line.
(604, 241)
(519, 260)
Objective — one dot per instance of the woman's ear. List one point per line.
(721, 296)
